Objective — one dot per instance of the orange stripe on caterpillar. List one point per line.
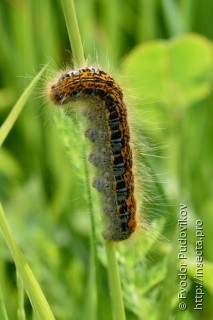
(112, 154)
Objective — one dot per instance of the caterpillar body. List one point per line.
(112, 153)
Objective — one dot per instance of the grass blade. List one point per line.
(73, 32)
(3, 311)
(31, 285)
(14, 113)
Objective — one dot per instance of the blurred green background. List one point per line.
(161, 51)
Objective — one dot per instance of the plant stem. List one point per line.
(114, 282)
(78, 60)
(21, 311)
(173, 18)
(73, 32)
(114, 279)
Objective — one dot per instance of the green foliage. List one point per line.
(37, 299)
(42, 177)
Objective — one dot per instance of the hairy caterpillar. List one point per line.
(112, 154)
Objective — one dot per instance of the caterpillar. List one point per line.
(110, 134)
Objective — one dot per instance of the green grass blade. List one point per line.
(14, 113)
(73, 32)
(114, 282)
(31, 285)
(3, 311)
(173, 18)
(20, 312)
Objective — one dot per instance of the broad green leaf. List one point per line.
(171, 74)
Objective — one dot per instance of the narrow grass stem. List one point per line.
(78, 60)
(94, 255)
(73, 32)
(173, 18)
(114, 282)
(14, 113)
(78, 57)
(20, 311)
